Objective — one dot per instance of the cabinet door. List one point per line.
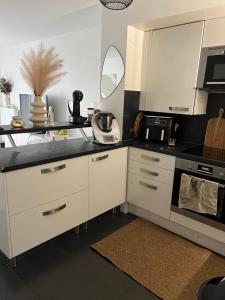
(107, 181)
(214, 33)
(173, 68)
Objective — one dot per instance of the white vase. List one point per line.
(6, 100)
(38, 111)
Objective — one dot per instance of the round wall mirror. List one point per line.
(112, 72)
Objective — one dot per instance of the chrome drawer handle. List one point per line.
(215, 82)
(155, 159)
(149, 186)
(149, 172)
(53, 170)
(53, 211)
(177, 108)
(100, 158)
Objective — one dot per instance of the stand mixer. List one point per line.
(105, 128)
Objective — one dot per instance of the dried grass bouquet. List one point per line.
(41, 69)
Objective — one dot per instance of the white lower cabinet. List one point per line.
(35, 226)
(150, 181)
(107, 181)
(39, 203)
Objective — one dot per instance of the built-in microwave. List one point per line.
(211, 74)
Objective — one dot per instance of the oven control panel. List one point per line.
(205, 169)
(200, 168)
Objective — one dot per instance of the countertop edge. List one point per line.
(79, 148)
(59, 158)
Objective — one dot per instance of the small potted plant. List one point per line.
(6, 89)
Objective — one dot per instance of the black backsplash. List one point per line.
(131, 107)
(192, 128)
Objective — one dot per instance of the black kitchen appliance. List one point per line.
(213, 288)
(157, 128)
(206, 164)
(212, 69)
(75, 116)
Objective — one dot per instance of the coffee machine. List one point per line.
(75, 116)
(105, 128)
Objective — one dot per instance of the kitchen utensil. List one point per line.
(137, 125)
(90, 113)
(215, 137)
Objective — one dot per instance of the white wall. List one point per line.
(81, 51)
(114, 31)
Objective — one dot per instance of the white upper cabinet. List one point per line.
(214, 33)
(172, 70)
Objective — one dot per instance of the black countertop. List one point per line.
(178, 151)
(159, 147)
(38, 154)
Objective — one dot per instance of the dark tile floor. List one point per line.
(66, 268)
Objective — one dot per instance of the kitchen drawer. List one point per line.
(152, 196)
(151, 172)
(31, 187)
(152, 158)
(40, 224)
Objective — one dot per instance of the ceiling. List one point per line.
(19, 16)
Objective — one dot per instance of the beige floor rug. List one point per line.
(168, 265)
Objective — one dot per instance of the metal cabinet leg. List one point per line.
(77, 230)
(86, 226)
(14, 262)
(114, 210)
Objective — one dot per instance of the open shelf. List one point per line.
(28, 128)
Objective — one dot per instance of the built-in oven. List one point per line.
(211, 74)
(204, 171)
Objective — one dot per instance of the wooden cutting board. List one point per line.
(215, 133)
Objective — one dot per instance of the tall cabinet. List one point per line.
(172, 69)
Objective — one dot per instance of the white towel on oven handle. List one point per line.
(199, 195)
